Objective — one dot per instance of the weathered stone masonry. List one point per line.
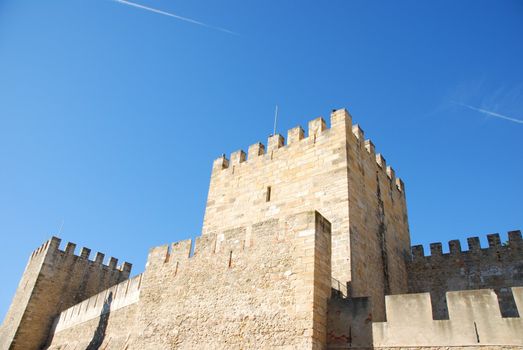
(475, 322)
(337, 172)
(496, 267)
(264, 286)
(269, 271)
(53, 281)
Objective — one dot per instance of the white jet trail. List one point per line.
(181, 18)
(492, 114)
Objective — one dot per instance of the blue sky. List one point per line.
(111, 115)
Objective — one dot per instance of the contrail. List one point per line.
(181, 18)
(492, 114)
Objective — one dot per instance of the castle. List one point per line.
(304, 245)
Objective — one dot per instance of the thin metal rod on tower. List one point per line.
(275, 119)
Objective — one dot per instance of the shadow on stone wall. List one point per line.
(99, 333)
(349, 322)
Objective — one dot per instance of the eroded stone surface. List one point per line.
(263, 268)
(270, 294)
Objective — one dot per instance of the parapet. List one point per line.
(514, 244)
(174, 253)
(52, 246)
(109, 300)
(227, 245)
(474, 320)
(317, 128)
(179, 253)
(349, 323)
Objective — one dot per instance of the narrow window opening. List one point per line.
(168, 254)
(176, 269)
(193, 246)
(230, 258)
(268, 194)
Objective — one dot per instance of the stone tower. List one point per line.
(53, 281)
(337, 172)
(281, 225)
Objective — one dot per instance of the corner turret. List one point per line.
(54, 280)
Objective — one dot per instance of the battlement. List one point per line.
(229, 247)
(331, 167)
(474, 319)
(55, 279)
(224, 243)
(514, 244)
(283, 284)
(172, 253)
(53, 246)
(109, 300)
(493, 267)
(340, 120)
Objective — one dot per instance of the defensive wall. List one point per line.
(261, 275)
(337, 172)
(110, 300)
(259, 286)
(349, 322)
(498, 267)
(475, 322)
(54, 280)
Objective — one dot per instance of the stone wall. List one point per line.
(108, 301)
(332, 170)
(260, 286)
(474, 320)
(475, 323)
(497, 267)
(115, 329)
(349, 323)
(379, 230)
(54, 280)
(307, 173)
(475, 347)
(13, 318)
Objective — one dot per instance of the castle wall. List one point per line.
(474, 320)
(107, 319)
(113, 330)
(262, 271)
(498, 267)
(475, 347)
(332, 170)
(309, 173)
(53, 281)
(379, 232)
(22, 297)
(110, 300)
(349, 323)
(259, 286)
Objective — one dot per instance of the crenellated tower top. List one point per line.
(332, 169)
(53, 280)
(296, 135)
(52, 246)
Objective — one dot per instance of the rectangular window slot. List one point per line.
(268, 194)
